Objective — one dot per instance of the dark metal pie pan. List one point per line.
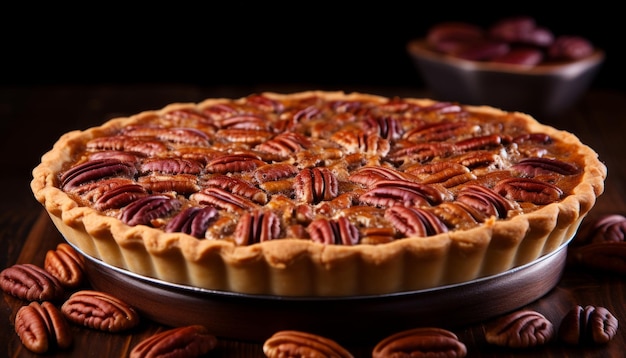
(347, 319)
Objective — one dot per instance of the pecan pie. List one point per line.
(319, 193)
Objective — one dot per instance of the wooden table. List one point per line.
(31, 120)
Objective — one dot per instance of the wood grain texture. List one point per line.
(26, 233)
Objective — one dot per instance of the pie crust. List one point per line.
(319, 193)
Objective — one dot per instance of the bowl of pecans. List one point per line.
(515, 64)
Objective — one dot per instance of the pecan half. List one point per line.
(528, 190)
(222, 199)
(191, 136)
(414, 221)
(285, 144)
(181, 342)
(257, 226)
(234, 163)
(30, 282)
(290, 343)
(386, 193)
(272, 172)
(42, 327)
(420, 342)
(538, 166)
(171, 166)
(588, 325)
(313, 185)
(340, 231)
(520, 329)
(370, 175)
(607, 228)
(359, 142)
(67, 265)
(193, 221)
(436, 131)
(119, 196)
(239, 187)
(95, 170)
(100, 311)
(147, 209)
(485, 200)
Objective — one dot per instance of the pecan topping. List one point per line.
(436, 131)
(386, 193)
(251, 137)
(193, 221)
(99, 310)
(413, 221)
(528, 190)
(370, 175)
(180, 342)
(239, 187)
(329, 232)
(421, 152)
(164, 183)
(42, 327)
(521, 329)
(302, 344)
(234, 163)
(588, 325)
(272, 172)
(243, 121)
(222, 199)
(147, 209)
(191, 136)
(420, 342)
(486, 200)
(386, 127)
(257, 226)
(538, 166)
(285, 144)
(96, 170)
(358, 142)
(120, 196)
(171, 166)
(67, 265)
(313, 185)
(30, 282)
(128, 144)
(476, 143)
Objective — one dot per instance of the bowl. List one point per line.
(542, 90)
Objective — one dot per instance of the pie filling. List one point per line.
(319, 193)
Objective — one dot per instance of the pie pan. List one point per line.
(347, 319)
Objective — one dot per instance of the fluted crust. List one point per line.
(298, 267)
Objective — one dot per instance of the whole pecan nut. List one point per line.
(588, 325)
(521, 329)
(418, 342)
(66, 265)
(290, 343)
(42, 327)
(99, 310)
(30, 282)
(180, 342)
(607, 256)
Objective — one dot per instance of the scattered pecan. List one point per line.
(420, 342)
(588, 325)
(607, 228)
(520, 329)
(42, 327)
(290, 343)
(181, 342)
(30, 282)
(67, 265)
(99, 310)
(602, 256)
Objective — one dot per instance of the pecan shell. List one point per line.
(291, 343)
(30, 282)
(67, 265)
(181, 342)
(588, 325)
(521, 329)
(42, 327)
(420, 342)
(100, 311)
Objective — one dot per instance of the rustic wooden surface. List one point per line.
(31, 120)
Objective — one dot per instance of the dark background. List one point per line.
(318, 43)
